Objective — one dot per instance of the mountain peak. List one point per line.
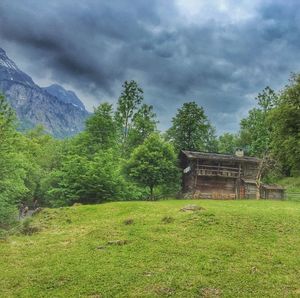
(60, 111)
(10, 71)
(66, 96)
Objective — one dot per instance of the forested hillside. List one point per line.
(121, 155)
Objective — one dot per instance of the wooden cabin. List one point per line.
(219, 176)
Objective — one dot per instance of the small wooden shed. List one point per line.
(272, 191)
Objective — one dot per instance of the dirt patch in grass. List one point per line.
(210, 292)
(128, 221)
(192, 208)
(167, 219)
(117, 242)
(164, 291)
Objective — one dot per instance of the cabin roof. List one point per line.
(218, 156)
(273, 187)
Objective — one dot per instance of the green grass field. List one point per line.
(152, 249)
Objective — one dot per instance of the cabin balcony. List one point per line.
(220, 171)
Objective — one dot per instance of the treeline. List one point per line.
(271, 131)
(121, 155)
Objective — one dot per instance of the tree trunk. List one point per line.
(257, 190)
(125, 129)
(258, 178)
(266, 163)
(151, 193)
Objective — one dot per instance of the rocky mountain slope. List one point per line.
(66, 96)
(60, 111)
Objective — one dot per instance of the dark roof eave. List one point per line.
(272, 187)
(218, 156)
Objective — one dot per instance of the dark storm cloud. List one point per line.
(217, 61)
(83, 42)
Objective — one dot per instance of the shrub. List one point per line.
(28, 227)
(8, 214)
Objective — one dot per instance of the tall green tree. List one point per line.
(102, 128)
(285, 121)
(7, 121)
(191, 129)
(255, 129)
(227, 143)
(143, 125)
(12, 174)
(255, 134)
(153, 164)
(210, 140)
(42, 154)
(128, 104)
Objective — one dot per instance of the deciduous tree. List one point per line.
(191, 129)
(101, 128)
(227, 143)
(153, 164)
(143, 125)
(285, 121)
(255, 131)
(128, 103)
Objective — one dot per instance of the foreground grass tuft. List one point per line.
(152, 249)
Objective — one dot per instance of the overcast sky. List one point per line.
(215, 52)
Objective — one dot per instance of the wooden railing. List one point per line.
(295, 196)
(223, 171)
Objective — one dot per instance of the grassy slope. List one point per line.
(292, 184)
(232, 249)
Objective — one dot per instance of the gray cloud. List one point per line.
(220, 57)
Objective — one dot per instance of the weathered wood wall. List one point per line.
(215, 184)
(216, 187)
(250, 191)
(273, 194)
(249, 170)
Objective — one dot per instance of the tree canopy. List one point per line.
(128, 103)
(191, 129)
(255, 132)
(285, 122)
(153, 164)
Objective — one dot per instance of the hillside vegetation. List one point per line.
(122, 156)
(291, 184)
(152, 249)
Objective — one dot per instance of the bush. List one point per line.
(8, 214)
(3, 234)
(28, 227)
(85, 180)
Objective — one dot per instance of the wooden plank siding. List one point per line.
(216, 187)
